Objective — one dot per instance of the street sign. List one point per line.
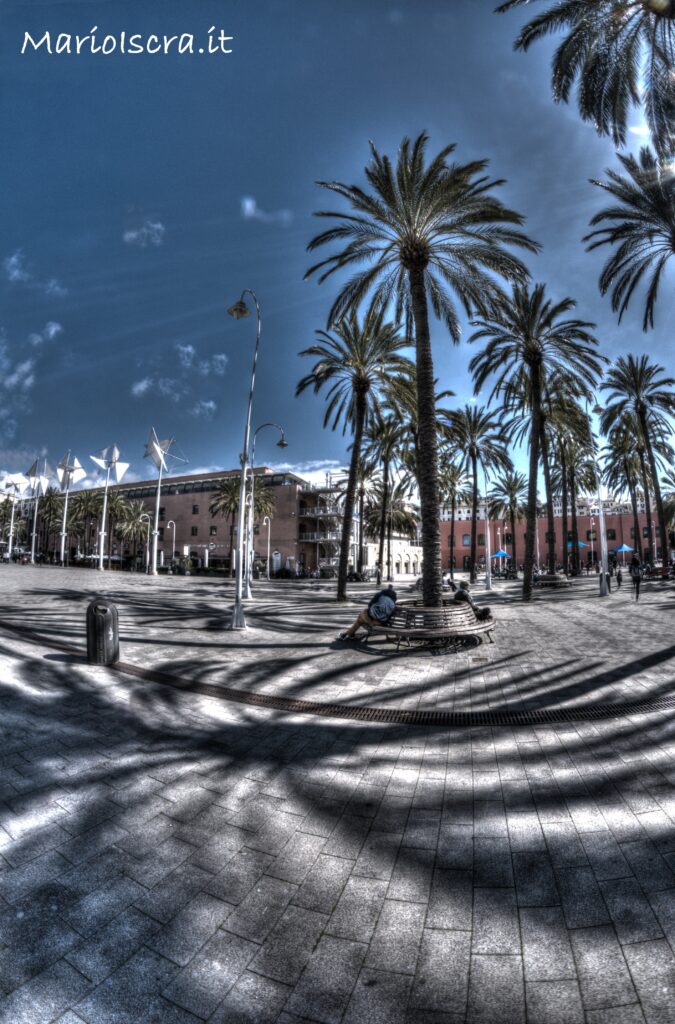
(211, 546)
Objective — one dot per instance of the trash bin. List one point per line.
(103, 638)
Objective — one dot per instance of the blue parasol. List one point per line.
(500, 554)
(570, 545)
(624, 547)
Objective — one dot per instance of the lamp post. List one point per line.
(281, 443)
(604, 565)
(16, 483)
(592, 531)
(240, 310)
(109, 459)
(144, 515)
(67, 473)
(38, 483)
(654, 545)
(488, 570)
(269, 526)
(173, 540)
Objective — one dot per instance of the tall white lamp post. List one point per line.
(16, 483)
(488, 569)
(604, 562)
(157, 451)
(268, 521)
(67, 473)
(281, 443)
(38, 483)
(239, 311)
(173, 538)
(592, 538)
(109, 459)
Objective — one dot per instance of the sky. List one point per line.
(142, 193)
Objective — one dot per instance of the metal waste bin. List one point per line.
(103, 636)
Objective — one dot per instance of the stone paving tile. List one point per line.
(259, 911)
(45, 996)
(495, 922)
(604, 977)
(253, 1000)
(653, 970)
(379, 997)
(358, 909)
(328, 981)
(630, 911)
(547, 955)
(290, 945)
(617, 1015)
(496, 990)
(554, 1002)
(297, 857)
(131, 995)
(581, 897)
(442, 979)
(396, 941)
(91, 912)
(180, 939)
(112, 945)
(209, 976)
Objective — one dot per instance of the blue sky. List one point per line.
(142, 193)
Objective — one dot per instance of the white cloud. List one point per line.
(17, 272)
(139, 387)
(15, 268)
(314, 471)
(186, 355)
(204, 409)
(151, 232)
(251, 211)
(171, 388)
(219, 363)
(22, 377)
(50, 331)
(639, 129)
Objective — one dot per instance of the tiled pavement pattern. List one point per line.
(171, 858)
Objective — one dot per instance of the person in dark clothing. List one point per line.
(619, 578)
(636, 576)
(463, 596)
(380, 609)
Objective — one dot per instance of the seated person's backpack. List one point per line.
(381, 608)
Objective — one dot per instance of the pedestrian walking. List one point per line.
(636, 573)
(619, 578)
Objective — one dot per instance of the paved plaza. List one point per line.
(183, 841)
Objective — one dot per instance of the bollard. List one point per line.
(103, 639)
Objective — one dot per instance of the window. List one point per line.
(657, 530)
(508, 539)
(195, 510)
(632, 533)
(160, 533)
(162, 513)
(481, 540)
(611, 535)
(550, 537)
(466, 540)
(570, 534)
(194, 531)
(451, 538)
(213, 530)
(590, 535)
(645, 532)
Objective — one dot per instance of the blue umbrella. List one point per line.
(501, 554)
(624, 547)
(570, 545)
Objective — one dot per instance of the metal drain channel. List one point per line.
(394, 716)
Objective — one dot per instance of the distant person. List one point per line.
(619, 578)
(636, 573)
(464, 597)
(380, 609)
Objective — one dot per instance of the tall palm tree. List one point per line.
(131, 528)
(638, 386)
(391, 504)
(641, 224)
(579, 468)
(508, 501)
(454, 490)
(86, 508)
(430, 233)
(478, 438)
(117, 510)
(622, 467)
(225, 502)
(385, 437)
(353, 363)
(621, 52)
(531, 348)
(51, 511)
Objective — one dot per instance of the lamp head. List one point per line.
(282, 443)
(239, 310)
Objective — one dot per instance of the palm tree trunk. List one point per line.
(453, 508)
(549, 498)
(427, 444)
(563, 496)
(232, 546)
(362, 500)
(663, 525)
(474, 516)
(513, 539)
(383, 518)
(390, 574)
(648, 507)
(535, 434)
(633, 501)
(350, 495)
(576, 553)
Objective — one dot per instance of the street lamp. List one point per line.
(281, 443)
(67, 473)
(16, 483)
(173, 542)
(144, 515)
(38, 485)
(109, 459)
(269, 527)
(488, 569)
(592, 532)
(604, 565)
(654, 545)
(239, 311)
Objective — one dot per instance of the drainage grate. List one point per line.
(395, 716)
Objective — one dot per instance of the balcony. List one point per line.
(328, 535)
(320, 513)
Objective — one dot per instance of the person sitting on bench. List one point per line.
(380, 609)
(463, 596)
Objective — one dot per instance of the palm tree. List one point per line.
(579, 469)
(354, 362)
(117, 509)
(86, 508)
(621, 52)
(392, 504)
(384, 438)
(225, 502)
(132, 528)
(51, 511)
(642, 227)
(532, 349)
(478, 439)
(454, 490)
(622, 467)
(637, 386)
(508, 501)
(429, 234)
